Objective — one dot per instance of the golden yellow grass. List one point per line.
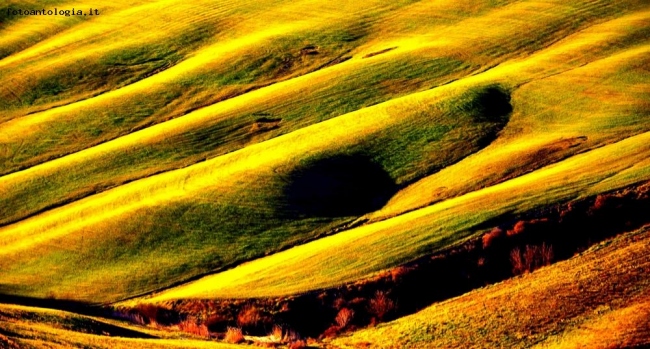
(495, 25)
(600, 35)
(34, 130)
(356, 253)
(540, 124)
(620, 328)
(598, 299)
(30, 333)
(568, 84)
(218, 174)
(343, 129)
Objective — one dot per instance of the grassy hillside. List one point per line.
(233, 124)
(28, 327)
(589, 307)
(165, 152)
(352, 254)
(214, 196)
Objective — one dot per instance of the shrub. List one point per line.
(532, 258)
(277, 334)
(531, 262)
(298, 344)
(517, 262)
(339, 303)
(546, 254)
(217, 322)
(148, 311)
(492, 235)
(381, 305)
(330, 332)
(600, 202)
(292, 336)
(283, 335)
(191, 326)
(234, 335)
(153, 315)
(344, 317)
(398, 272)
(517, 229)
(250, 316)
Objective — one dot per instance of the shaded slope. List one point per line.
(559, 231)
(65, 321)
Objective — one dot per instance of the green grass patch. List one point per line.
(265, 213)
(217, 138)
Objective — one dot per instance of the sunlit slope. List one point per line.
(29, 327)
(357, 253)
(96, 54)
(219, 59)
(554, 117)
(239, 206)
(28, 30)
(598, 299)
(169, 227)
(224, 127)
(425, 56)
(129, 41)
(232, 124)
(214, 130)
(159, 74)
(576, 82)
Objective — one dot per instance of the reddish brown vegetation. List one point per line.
(249, 316)
(190, 325)
(522, 226)
(298, 344)
(253, 319)
(147, 314)
(234, 335)
(492, 236)
(532, 258)
(381, 305)
(512, 245)
(344, 317)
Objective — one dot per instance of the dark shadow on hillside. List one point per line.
(482, 113)
(491, 103)
(337, 186)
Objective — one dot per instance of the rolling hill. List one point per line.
(202, 160)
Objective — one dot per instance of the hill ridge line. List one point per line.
(416, 213)
(111, 145)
